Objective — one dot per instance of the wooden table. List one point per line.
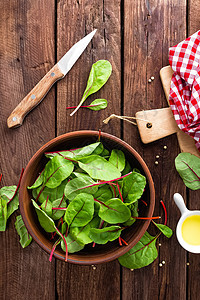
(134, 36)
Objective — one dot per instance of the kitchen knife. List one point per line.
(58, 71)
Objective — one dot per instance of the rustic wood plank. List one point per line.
(193, 201)
(27, 53)
(76, 19)
(150, 28)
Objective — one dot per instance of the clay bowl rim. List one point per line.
(72, 258)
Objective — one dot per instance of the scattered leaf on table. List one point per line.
(25, 238)
(142, 254)
(99, 74)
(188, 167)
(98, 104)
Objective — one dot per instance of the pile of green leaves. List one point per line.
(89, 196)
(9, 203)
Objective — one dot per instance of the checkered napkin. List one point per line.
(184, 96)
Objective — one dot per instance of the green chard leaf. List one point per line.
(79, 185)
(53, 194)
(98, 104)
(3, 214)
(127, 169)
(45, 221)
(134, 213)
(102, 236)
(99, 74)
(142, 254)
(81, 234)
(25, 238)
(72, 245)
(56, 170)
(133, 187)
(38, 181)
(117, 158)
(99, 168)
(80, 211)
(164, 229)
(7, 192)
(59, 203)
(188, 167)
(47, 207)
(75, 154)
(114, 211)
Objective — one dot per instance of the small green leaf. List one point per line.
(53, 194)
(47, 207)
(164, 229)
(80, 211)
(133, 187)
(38, 182)
(45, 221)
(72, 245)
(81, 234)
(188, 167)
(25, 238)
(3, 214)
(102, 236)
(56, 170)
(99, 168)
(57, 214)
(7, 192)
(98, 104)
(142, 254)
(117, 158)
(103, 194)
(114, 211)
(99, 74)
(79, 185)
(75, 154)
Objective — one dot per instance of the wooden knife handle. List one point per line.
(34, 97)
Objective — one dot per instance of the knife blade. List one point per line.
(59, 70)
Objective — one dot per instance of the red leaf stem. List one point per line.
(147, 218)
(82, 106)
(112, 185)
(120, 192)
(99, 137)
(144, 202)
(53, 249)
(165, 211)
(64, 240)
(1, 177)
(59, 208)
(124, 241)
(46, 202)
(120, 241)
(17, 186)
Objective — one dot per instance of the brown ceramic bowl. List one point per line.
(100, 253)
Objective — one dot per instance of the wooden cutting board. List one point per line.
(161, 123)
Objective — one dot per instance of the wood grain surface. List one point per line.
(134, 36)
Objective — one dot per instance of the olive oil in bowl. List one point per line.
(191, 230)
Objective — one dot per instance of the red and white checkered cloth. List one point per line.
(184, 96)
